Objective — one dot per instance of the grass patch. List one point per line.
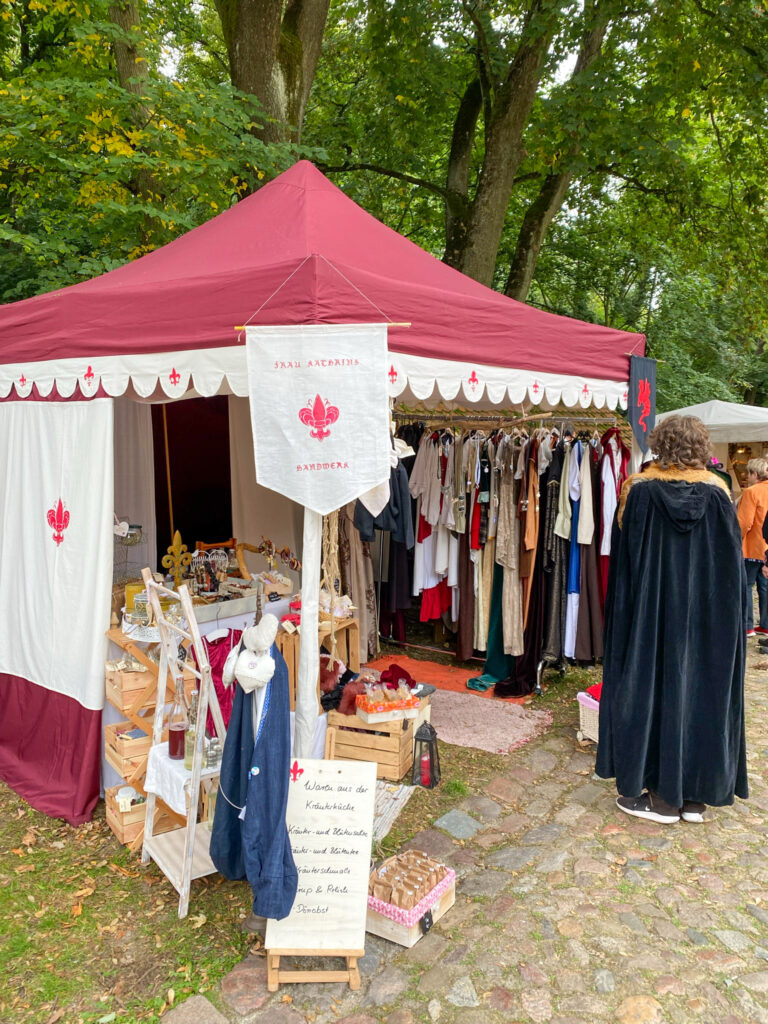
(86, 931)
(455, 787)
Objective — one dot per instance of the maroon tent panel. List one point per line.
(300, 251)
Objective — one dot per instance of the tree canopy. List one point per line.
(599, 158)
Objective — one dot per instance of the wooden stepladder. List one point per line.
(182, 854)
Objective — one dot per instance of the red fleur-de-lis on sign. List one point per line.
(473, 380)
(295, 772)
(536, 387)
(22, 380)
(319, 415)
(88, 375)
(585, 391)
(392, 374)
(58, 520)
(174, 376)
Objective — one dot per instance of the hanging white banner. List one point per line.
(319, 411)
(56, 542)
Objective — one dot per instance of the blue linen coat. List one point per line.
(254, 773)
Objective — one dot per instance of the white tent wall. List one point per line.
(135, 476)
(256, 510)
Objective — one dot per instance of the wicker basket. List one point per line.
(589, 718)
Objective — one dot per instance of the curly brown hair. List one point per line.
(681, 441)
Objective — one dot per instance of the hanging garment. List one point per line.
(254, 775)
(522, 679)
(498, 665)
(614, 466)
(218, 651)
(508, 551)
(465, 637)
(395, 517)
(672, 703)
(357, 581)
(555, 562)
(589, 628)
(485, 586)
(529, 523)
(564, 511)
(574, 553)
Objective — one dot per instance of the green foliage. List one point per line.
(74, 145)
(663, 229)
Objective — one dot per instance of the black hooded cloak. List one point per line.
(672, 704)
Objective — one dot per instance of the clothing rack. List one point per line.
(441, 416)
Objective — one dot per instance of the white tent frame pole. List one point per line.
(309, 654)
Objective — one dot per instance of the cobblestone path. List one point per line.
(567, 911)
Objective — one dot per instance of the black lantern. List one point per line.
(426, 760)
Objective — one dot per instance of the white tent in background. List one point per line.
(727, 422)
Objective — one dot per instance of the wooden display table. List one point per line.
(347, 650)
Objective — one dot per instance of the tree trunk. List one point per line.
(504, 151)
(132, 75)
(538, 217)
(457, 204)
(273, 56)
(551, 197)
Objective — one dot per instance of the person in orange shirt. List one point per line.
(753, 508)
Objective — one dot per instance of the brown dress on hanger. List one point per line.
(529, 506)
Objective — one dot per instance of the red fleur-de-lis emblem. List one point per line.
(319, 415)
(295, 772)
(22, 380)
(536, 387)
(624, 397)
(58, 520)
(174, 377)
(392, 374)
(473, 381)
(585, 391)
(88, 375)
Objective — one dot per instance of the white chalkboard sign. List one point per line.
(330, 822)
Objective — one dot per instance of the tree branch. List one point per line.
(438, 190)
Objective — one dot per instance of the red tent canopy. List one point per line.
(299, 251)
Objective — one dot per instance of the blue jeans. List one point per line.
(755, 575)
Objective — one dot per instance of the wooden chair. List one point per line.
(231, 543)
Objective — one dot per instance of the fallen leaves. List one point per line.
(198, 920)
(77, 909)
(24, 867)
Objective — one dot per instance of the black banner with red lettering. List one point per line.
(641, 408)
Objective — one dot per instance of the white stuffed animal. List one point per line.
(254, 666)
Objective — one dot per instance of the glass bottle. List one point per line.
(178, 720)
(191, 734)
(212, 794)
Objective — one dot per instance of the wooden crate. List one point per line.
(404, 935)
(389, 744)
(125, 688)
(124, 752)
(347, 650)
(127, 825)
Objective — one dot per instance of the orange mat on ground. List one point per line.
(444, 677)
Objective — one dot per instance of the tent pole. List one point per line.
(168, 470)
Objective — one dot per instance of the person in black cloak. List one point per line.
(672, 703)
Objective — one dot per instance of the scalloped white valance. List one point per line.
(207, 372)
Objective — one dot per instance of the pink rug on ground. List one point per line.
(464, 721)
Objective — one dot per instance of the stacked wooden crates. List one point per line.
(134, 694)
